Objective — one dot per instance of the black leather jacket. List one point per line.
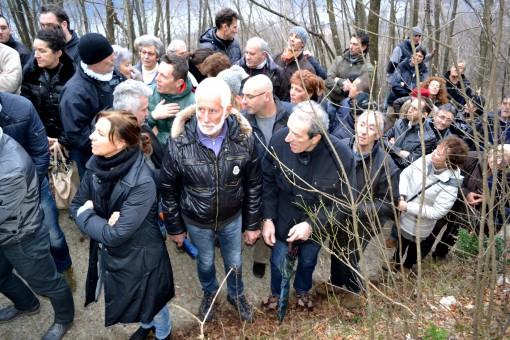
(206, 190)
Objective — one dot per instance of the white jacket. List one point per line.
(439, 197)
(10, 70)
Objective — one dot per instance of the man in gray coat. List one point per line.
(24, 244)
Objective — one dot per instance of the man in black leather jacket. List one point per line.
(210, 186)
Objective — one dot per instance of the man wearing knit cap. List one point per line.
(292, 57)
(87, 93)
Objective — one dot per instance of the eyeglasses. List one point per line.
(251, 96)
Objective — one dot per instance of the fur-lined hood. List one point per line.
(178, 126)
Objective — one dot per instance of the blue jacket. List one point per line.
(209, 39)
(19, 119)
(405, 79)
(81, 99)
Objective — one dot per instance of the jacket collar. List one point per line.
(181, 128)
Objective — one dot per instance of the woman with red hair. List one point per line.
(304, 85)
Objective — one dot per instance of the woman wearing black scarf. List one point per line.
(116, 206)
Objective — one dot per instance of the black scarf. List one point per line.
(110, 169)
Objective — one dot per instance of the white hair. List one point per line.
(261, 43)
(150, 40)
(126, 95)
(312, 112)
(217, 87)
(176, 45)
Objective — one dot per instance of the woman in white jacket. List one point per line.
(442, 181)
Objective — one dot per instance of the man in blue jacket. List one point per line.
(19, 119)
(221, 38)
(86, 94)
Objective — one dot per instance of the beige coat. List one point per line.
(10, 70)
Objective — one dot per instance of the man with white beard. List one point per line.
(210, 187)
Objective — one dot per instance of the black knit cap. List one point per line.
(93, 48)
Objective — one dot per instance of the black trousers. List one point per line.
(33, 262)
(412, 251)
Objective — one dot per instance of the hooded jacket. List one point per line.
(183, 99)
(20, 215)
(345, 68)
(44, 92)
(209, 191)
(72, 48)
(209, 39)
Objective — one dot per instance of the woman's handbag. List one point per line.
(64, 177)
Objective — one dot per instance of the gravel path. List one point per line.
(89, 322)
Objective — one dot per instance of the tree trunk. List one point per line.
(19, 21)
(168, 19)
(157, 6)
(360, 17)
(30, 19)
(485, 39)
(416, 9)
(139, 16)
(84, 16)
(130, 25)
(393, 19)
(189, 22)
(334, 28)
(428, 24)
(449, 34)
(143, 16)
(110, 25)
(437, 33)
(373, 29)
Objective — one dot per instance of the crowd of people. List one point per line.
(220, 147)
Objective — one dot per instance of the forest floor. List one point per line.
(393, 304)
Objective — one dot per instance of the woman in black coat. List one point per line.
(116, 206)
(45, 76)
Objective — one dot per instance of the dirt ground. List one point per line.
(89, 321)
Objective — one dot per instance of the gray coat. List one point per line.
(20, 214)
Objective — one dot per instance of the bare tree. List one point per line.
(110, 21)
(333, 27)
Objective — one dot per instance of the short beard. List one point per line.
(211, 130)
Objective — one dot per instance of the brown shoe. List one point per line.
(304, 302)
(271, 304)
(390, 243)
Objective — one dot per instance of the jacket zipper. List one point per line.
(217, 193)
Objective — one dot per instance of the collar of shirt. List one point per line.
(213, 143)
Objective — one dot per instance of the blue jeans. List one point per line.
(32, 261)
(58, 245)
(307, 260)
(161, 322)
(230, 238)
(80, 157)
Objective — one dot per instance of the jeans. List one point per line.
(161, 322)
(58, 245)
(307, 260)
(80, 157)
(32, 261)
(230, 238)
